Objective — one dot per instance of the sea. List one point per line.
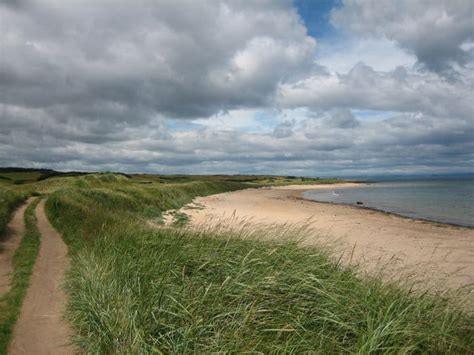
(447, 201)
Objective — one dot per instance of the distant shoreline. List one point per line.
(307, 187)
(299, 194)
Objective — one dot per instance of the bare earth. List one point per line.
(433, 253)
(9, 242)
(41, 328)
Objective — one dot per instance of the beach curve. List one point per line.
(434, 253)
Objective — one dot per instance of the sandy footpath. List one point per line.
(41, 329)
(9, 242)
(430, 252)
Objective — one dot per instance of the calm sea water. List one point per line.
(449, 201)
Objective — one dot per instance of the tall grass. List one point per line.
(23, 262)
(9, 200)
(135, 289)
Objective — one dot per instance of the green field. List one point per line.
(136, 288)
(21, 176)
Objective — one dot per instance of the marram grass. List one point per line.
(137, 289)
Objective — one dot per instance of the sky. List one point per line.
(304, 87)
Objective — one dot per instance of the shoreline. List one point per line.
(306, 187)
(299, 196)
(431, 252)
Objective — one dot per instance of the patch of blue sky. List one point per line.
(266, 120)
(244, 120)
(316, 16)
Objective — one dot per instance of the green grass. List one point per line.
(137, 289)
(22, 177)
(180, 219)
(260, 180)
(9, 200)
(23, 262)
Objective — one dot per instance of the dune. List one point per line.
(438, 254)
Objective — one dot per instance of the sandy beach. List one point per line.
(434, 253)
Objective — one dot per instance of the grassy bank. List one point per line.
(23, 262)
(9, 200)
(136, 289)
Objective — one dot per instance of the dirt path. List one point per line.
(439, 254)
(9, 242)
(41, 328)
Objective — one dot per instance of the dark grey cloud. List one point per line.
(177, 58)
(342, 118)
(406, 143)
(284, 129)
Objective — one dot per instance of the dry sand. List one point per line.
(9, 242)
(433, 253)
(41, 329)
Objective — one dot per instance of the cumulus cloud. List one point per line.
(399, 90)
(436, 31)
(177, 58)
(379, 53)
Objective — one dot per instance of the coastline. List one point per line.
(307, 187)
(379, 241)
(299, 196)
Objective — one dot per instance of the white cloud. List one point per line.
(433, 30)
(381, 54)
(398, 90)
